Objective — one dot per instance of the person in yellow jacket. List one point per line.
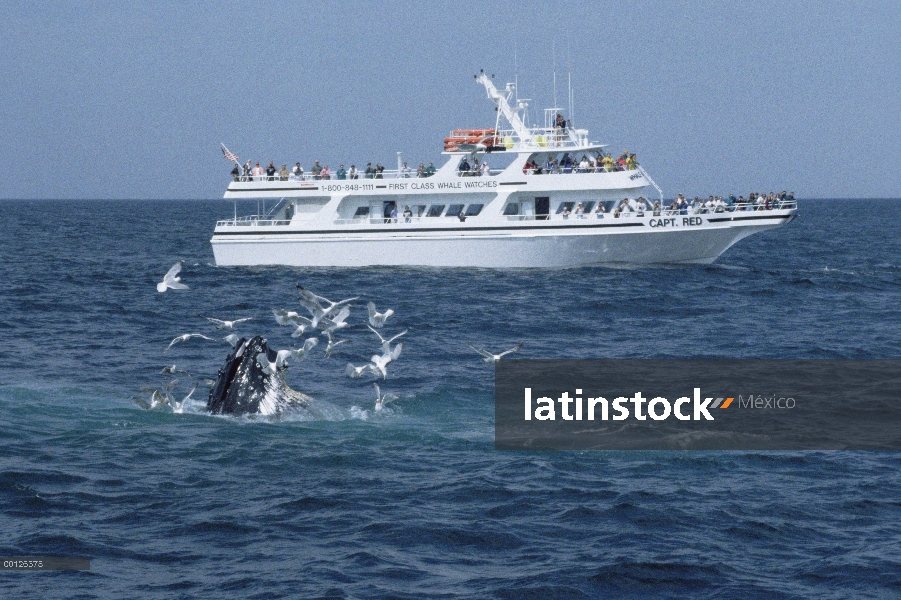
(608, 163)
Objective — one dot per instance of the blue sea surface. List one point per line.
(413, 501)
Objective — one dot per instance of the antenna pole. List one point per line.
(554, 46)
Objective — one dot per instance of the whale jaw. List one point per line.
(244, 388)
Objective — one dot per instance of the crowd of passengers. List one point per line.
(600, 164)
(251, 172)
(682, 205)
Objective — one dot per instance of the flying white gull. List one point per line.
(301, 353)
(222, 325)
(356, 372)
(330, 347)
(157, 397)
(381, 362)
(386, 344)
(170, 280)
(185, 338)
(233, 339)
(270, 367)
(284, 317)
(339, 322)
(291, 318)
(318, 306)
(382, 399)
(178, 407)
(172, 371)
(490, 358)
(377, 319)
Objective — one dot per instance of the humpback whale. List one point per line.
(245, 387)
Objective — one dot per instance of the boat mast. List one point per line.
(503, 107)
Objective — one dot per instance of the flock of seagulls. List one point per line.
(324, 318)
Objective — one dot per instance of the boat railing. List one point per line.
(576, 169)
(614, 213)
(252, 221)
(359, 176)
(542, 138)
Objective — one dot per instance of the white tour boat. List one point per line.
(517, 216)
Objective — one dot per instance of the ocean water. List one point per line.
(413, 501)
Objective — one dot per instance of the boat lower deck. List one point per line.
(496, 243)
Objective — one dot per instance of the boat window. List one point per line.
(435, 210)
(473, 209)
(454, 210)
(511, 209)
(362, 211)
(418, 209)
(588, 206)
(565, 205)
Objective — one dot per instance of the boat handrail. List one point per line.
(665, 211)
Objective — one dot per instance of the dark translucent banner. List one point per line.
(698, 404)
(45, 563)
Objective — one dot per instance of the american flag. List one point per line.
(228, 154)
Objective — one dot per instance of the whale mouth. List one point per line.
(243, 387)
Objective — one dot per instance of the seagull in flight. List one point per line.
(178, 407)
(185, 338)
(289, 317)
(301, 353)
(223, 325)
(171, 279)
(319, 306)
(336, 324)
(233, 339)
(172, 371)
(381, 362)
(284, 317)
(490, 358)
(357, 372)
(382, 399)
(377, 319)
(157, 397)
(386, 344)
(271, 367)
(330, 347)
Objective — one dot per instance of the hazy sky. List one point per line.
(131, 100)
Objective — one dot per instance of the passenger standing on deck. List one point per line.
(369, 173)
(420, 171)
(408, 214)
(405, 171)
(379, 169)
(283, 174)
(316, 170)
(486, 170)
(341, 174)
(325, 173)
(236, 172)
(297, 171)
(430, 170)
(247, 169)
(352, 174)
(270, 171)
(257, 172)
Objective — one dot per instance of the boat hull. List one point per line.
(628, 241)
